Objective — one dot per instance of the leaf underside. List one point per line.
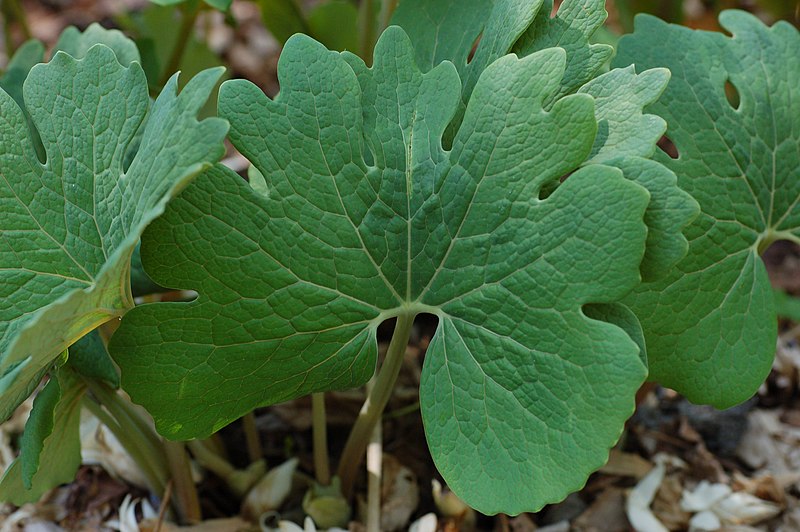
(710, 325)
(364, 216)
(71, 223)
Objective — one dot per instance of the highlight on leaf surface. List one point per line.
(710, 325)
(446, 31)
(363, 216)
(71, 221)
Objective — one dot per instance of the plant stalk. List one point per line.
(387, 10)
(124, 413)
(373, 407)
(254, 450)
(210, 460)
(187, 502)
(189, 12)
(162, 456)
(320, 431)
(374, 466)
(13, 12)
(366, 30)
(130, 441)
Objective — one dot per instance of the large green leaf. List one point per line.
(50, 446)
(366, 217)
(70, 225)
(711, 325)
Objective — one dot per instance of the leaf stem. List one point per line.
(254, 450)
(124, 413)
(130, 441)
(161, 456)
(320, 435)
(374, 466)
(189, 12)
(187, 501)
(387, 10)
(373, 407)
(13, 12)
(210, 460)
(366, 30)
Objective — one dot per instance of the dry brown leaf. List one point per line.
(606, 514)
(666, 506)
(704, 465)
(626, 465)
(521, 523)
(765, 487)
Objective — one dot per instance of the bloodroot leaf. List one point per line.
(710, 325)
(70, 224)
(365, 217)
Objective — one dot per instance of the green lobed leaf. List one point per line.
(70, 224)
(50, 446)
(366, 218)
(710, 325)
(447, 30)
(470, 34)
(77, 43)
(571, 29)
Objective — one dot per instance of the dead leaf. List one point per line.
(666, 506)
(626, 465)
(606, 513)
